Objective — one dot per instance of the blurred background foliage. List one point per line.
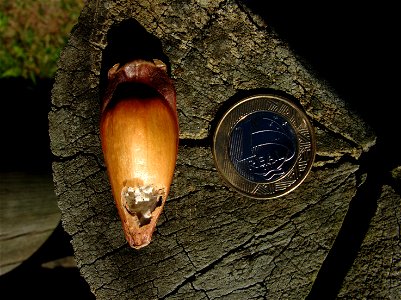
(32, 35)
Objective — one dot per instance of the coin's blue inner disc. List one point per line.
(263, 146)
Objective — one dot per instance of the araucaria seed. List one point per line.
(139, 133)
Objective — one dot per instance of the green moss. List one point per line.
(32, 34)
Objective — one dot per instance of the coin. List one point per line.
(264, 146)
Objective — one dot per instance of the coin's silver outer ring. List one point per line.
(306, 151)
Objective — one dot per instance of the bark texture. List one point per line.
(210, 241)
(376, 271)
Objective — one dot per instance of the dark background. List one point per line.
(353, 48)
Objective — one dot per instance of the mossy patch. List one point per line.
(32, 35)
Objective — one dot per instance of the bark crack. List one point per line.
(339, 135)
(350, 237)
(104, 256)
(200, 290)
(205, 269)
(77, 155)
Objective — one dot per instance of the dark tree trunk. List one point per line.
(210, 241)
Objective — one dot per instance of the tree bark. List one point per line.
(210, 241)
(377, 268)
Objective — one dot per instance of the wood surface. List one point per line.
(377, 267)
(28, 216)
(210, 241)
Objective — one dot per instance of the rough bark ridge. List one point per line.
(210, 241)
(377, 269)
